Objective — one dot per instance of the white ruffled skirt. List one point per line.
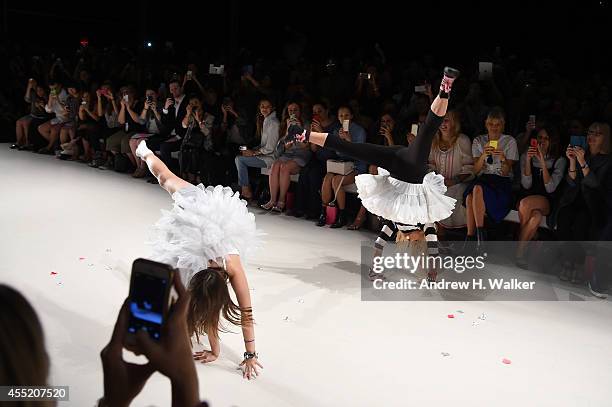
(205, 223)
(403, 202)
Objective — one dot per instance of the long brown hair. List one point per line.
(282, 128)
(210, 298)
(261, 118)
(454, 129)
(23, 357)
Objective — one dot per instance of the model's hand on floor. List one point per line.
(249, 368)
(205, 356)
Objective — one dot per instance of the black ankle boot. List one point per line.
(340, 220)
(323, 217)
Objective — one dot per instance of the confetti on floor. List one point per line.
(301, 301)
(53, 273)
(81, 258)
(108, 250)
(445, 354)
(482, 316)
(451, 316)
(506, 361)
(259, 268)
(90, 264)
(459, 312)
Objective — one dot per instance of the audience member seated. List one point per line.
(173, 113)
(151, 119)
(542, 170)
(491, 192)
(67, 135)
(197, 140)
(108, 108)
(88, 125)
(56, 104)
(118, 144)
(331, 189)
(308, 200)
(292, 157)
(581, 212)
(451, 156)
(263, 155)
(26, 128)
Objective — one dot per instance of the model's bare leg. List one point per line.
(166, 178)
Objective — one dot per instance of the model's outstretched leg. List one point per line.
(409, 163)
(166, 178)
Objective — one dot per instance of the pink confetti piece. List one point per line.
(81, 258)
(451, 316)
(506, 361)
(53, 273)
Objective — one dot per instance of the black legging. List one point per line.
(407, 164)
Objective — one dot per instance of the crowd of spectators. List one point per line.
(518, 136)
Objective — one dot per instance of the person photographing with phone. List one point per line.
(150, 118)
(581, 213)
(209, 258)
(542, 171)
(491, 192)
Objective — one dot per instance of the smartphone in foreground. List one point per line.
(493, 143)
(414, 129)
(149, 299)
(534, 143)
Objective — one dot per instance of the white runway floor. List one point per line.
(320, 344)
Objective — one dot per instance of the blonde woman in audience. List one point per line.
(451, 156)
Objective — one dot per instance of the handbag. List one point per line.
(331, 210)
(340, 167)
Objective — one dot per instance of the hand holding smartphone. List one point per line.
(345, 125)
(578, 141)
(149, 298)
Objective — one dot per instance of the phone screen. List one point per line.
(578, 141)
(148, 300)
(415, 129)
(493, 143)
(534, 143)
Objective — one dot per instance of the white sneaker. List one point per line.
(142, 150)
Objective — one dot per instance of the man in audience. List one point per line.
(173, 113)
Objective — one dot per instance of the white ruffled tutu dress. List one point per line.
(205, 223)
(403, 202)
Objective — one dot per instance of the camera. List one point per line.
(149, 99)
(216, 70)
